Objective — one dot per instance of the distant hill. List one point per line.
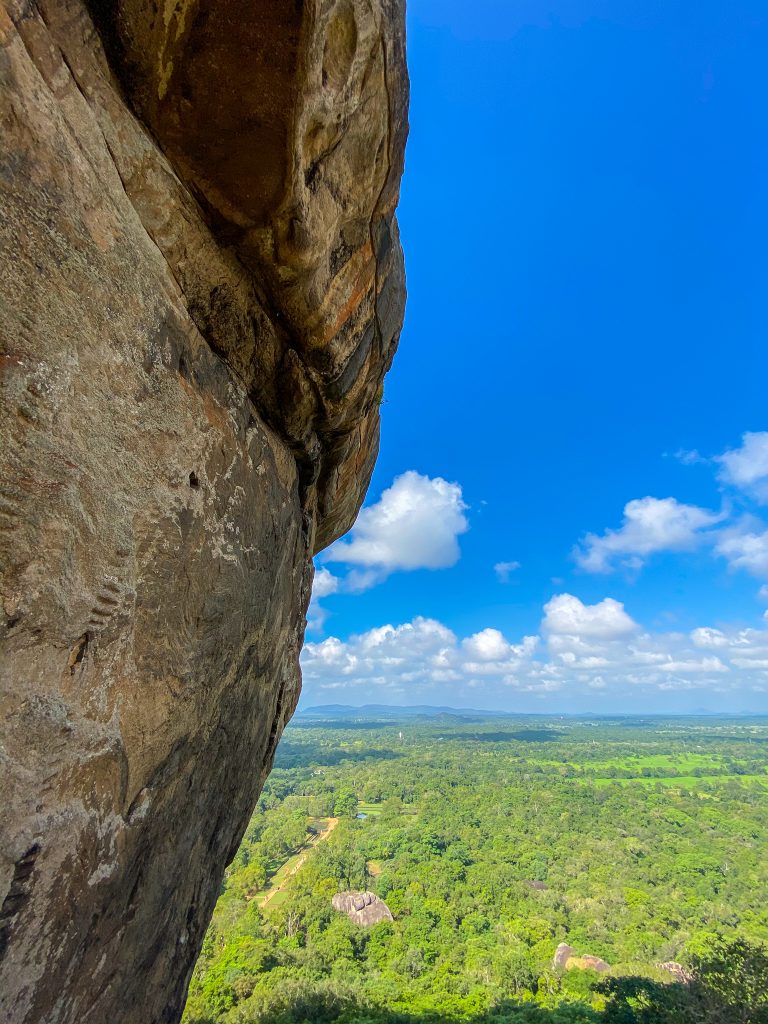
(393, 711)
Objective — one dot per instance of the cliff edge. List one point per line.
(202, 289)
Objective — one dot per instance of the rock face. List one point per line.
(587, 963)
(562, 954)
(202, 290)
(679, 973)
(363, 908)
(565, 958)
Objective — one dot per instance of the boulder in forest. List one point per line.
(363, 908)
(566, 959)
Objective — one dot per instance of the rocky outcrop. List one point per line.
(202, 290)
(562, 954)
(566, 959)
(363, 908)
(679, 973)
(587, 963)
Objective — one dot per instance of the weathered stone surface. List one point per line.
(362, 908)
(196, 319)
(562, 955)
(677, 971)
(566, 958)
(587, 963)
(295, 155)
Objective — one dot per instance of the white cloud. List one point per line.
(685, 667)
(606, 620)
(414, 525)
(487, 645)
(422, 636)
(324, 583)
(650, 525)
(704, 636)
(585, 649)
(490, 653)
(504, 570)
(358, 580)
(419, 654)
(689, 458)
(745, 547)
(747, 467)
(387, 656)
(334, 655)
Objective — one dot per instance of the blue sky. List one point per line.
(584, 214)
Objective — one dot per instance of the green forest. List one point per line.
(636, 841)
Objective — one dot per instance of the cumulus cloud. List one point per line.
(504, 570)
(324, 583)
(489, 652)
(745, 546)
(606, 620)
(582, 648)
(705, 636)
(415, 656)
(650, 525)
(487, 645)
(685, 667)
(414, 525)
(387, 656)
(664, 524)
(746, 467)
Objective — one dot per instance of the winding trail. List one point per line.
(332, 823)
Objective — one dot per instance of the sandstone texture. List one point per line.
(201, 290)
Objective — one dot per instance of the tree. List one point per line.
(345, 805)
(637, 1000)
(731, 983)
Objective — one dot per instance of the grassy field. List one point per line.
(681, 781)
(318, 830)
(673, 764)
(369, 810)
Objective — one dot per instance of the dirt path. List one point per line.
(332, 823)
